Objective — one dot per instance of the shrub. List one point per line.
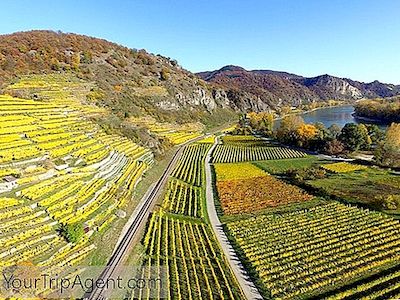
(390, 202)
(334, 147)
(302, 175)
(164, 74)
(72, 232)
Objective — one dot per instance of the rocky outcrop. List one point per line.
(330, 87)
(265, 89)
(134, 82)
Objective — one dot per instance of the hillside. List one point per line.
(260, 89)
(130, 82)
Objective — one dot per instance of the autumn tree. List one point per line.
(284, 110)
(86, 57)
(287, 131)
(334, 130)
(388, 151)
(75, 61)
(385, 110)
(365, 134)
(334, 147)
(305, 134)
(323, 135)
(375, 133)
(262, 122)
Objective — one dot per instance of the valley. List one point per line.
(317, 247)
(227, 184)
(293, 243)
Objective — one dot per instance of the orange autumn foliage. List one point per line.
(307, 131)
(249, 195)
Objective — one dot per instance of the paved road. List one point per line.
(245, 282)
(141, 215)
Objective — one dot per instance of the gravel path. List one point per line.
(245, 282)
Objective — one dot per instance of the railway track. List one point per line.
(141, 217)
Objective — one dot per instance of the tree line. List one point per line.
(383, 110)
(332, 141)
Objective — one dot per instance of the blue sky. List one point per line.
(355, 39)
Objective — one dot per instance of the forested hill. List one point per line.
(132, 82)
(266, 88)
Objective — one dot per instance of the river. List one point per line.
(339, 115)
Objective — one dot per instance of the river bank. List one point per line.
(372, 120)
(339, 114)
(311, 110)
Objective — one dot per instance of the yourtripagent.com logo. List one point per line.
(83, 282)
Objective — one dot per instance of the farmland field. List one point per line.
(303, 253)
(253, 194)
(233, 153)
(282, 165)
(183, 198)
(59, 168)
(297, 246)
(190, 167)
(243, 140)
(377, 188)
(195, 266)
(180, 239)
(343, 167)
(237, 171)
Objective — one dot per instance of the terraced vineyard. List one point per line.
(179, 238)
(176, 134)
(305, 252)
(248, 148)
(57, 167)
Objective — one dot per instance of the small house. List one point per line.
(61, 167)
(9, 182)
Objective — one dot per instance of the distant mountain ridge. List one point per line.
(134, 82)
(267, 88)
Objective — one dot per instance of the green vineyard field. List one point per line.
(192, 259)
(180, 239)
(182, 198)
(232, 153)
(309, 251)
(190, 166)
